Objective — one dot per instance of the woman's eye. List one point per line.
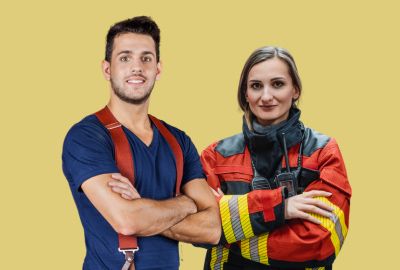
(277, 84)
(256, 86)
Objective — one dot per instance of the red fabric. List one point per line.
(301, 240)
(297, 240)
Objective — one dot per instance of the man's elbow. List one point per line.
(124, 226)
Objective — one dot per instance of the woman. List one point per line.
(287, 197)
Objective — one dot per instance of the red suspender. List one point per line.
(124, 160)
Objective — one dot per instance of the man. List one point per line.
(132, 66)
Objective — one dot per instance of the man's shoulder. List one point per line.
(87, 128)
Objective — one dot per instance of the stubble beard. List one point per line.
(119, 92)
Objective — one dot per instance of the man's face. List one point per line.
(133, 68)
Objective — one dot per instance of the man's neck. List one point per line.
(133, 116)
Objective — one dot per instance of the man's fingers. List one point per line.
(121, 178)
(120, 184)
(124, 188)
(126, 197)
(220, 192)
(121, 191)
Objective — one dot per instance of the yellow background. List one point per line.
(347, 53)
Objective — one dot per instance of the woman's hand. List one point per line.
(123, 187)
(300, 206)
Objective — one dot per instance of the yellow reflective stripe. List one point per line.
(245, 248)
(244, 217)
(330, 224)
(225, 254)
(260, 254)
(226, 219)
(219, 255)
(262, 248)
(316, 268)
(213, 257)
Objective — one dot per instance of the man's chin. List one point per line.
(134, 100)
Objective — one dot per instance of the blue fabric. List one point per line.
(88, 151)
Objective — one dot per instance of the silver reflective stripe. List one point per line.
(235, 218)
(253, 242)
(338, 228)
(218, 262)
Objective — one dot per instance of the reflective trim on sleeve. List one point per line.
(316, 268)
(219, 255)
(255, 248)
(245, 217)
(226, 218)
(335, 225)
(235, 217)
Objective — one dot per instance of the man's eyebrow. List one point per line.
(130, 52)
(148, 52)
(126, 51)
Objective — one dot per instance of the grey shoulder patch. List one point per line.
(313, 140)
(231, 146)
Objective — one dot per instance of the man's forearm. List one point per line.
(149, 217)
(202, 227)
(142, 217)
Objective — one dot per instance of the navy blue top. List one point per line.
(88, 151)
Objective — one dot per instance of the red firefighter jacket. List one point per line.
(255, 233)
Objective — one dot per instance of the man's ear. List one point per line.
(159, 70)
(106, 68)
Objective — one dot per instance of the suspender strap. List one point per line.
(124, 160)
(176, 149)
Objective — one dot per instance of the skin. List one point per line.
(132, 72)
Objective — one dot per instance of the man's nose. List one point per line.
(137, 66)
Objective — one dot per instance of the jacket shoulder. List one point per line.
(314, 140)
(231, 146)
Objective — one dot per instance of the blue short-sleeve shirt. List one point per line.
(88, 151)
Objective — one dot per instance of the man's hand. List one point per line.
(300, 206)
(123, 187)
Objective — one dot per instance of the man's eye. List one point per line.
(124, 59)
(256, 86)
(146, 59)
(278, 84)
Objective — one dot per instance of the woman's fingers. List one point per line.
(316, 210)
(316, 193)
(318, 203)
(308, 217)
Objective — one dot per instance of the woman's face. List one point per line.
(270, 91)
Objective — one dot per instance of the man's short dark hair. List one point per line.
(138, 25)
